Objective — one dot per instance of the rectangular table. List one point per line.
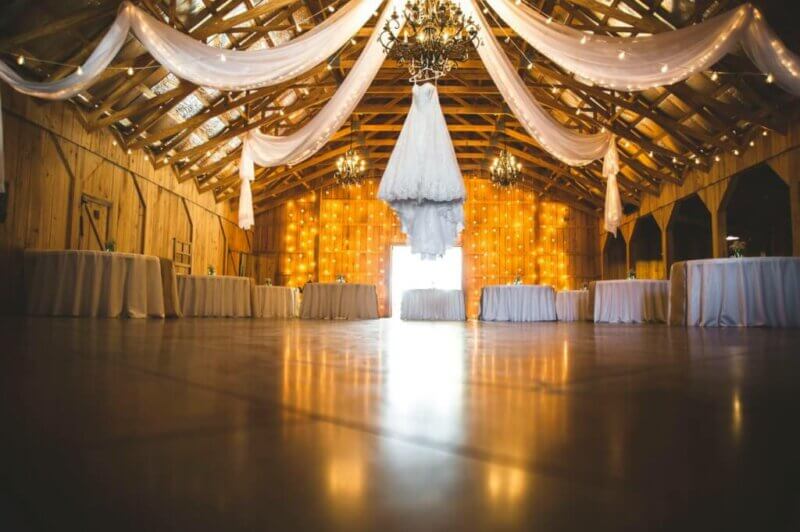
(433, 304)
(349, 301)
(573, 305)
(275, 301)
(518, 303)
(215, 296)
(92, 283)
(631, 301)
(738, 292)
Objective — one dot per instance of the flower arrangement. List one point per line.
(341, 279)
(737, 248)
(268, 281)
(111, 245)
(518, 280)
(212, 270)
(631, 274)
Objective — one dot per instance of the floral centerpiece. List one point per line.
(631, 274)
(341, 279)
(518, 280)
(212, 270)
(111, 245)
(268, 281)
(737, 248)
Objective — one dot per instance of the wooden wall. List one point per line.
(780, 152)
(347, 231)
(52, 162)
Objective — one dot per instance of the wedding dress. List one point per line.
(422, 181)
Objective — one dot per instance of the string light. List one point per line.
(714, 76)
(584, 39)
(130, 71)
(21, 60)
(79, 71)
(770, 78)
(621, 55)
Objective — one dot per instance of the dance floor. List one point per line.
(227, 425)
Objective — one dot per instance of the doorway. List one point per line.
(409, 271)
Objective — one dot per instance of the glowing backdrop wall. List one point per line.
(508, 233)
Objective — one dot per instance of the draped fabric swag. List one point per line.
(571, 147)
(638, 63)
(633, 63)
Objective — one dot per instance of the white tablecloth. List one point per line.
(274, 302)
(749, 292)
(573, 305)
(631, 301)
(433, 304)
(214, 296)
(92, 283)
(518, 303)
(339, 300)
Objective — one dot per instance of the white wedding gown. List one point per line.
(422, 181)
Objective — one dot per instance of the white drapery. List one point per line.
(638, 63)
(270, 150)
(575, 149)
(198, 62)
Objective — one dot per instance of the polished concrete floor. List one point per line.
(231, 425)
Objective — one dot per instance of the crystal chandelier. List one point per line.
(350, 166)
(436, 36)
(504, 171)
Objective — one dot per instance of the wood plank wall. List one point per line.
(51, 161)
(780, 152)
(348, 231)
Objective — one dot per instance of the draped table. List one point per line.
(214, 296)
(274, 301)
(349, 301)
(518, 303)
(573, 305)
(631, 301)
(433, 304)
(92, 283)
(744, 292)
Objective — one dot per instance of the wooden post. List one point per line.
(787, 166)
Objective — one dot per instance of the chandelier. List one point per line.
(504, 171)
(349, 168)
(436, 36)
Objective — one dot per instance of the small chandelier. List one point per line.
(436, 36)
(504, 171)
(350, 167)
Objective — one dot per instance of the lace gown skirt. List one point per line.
(422, 181)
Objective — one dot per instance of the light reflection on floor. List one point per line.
(259, 424)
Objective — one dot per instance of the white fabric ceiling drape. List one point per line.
(572, 147)
(198, 62)
(638, 63)
(271, 150)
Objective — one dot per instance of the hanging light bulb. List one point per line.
(21, 60)
(584, 39)
(79, 71)
(331, 9)
(664, 69)
(714, 76)
(130, 71)
(621, 55)
(770, 78)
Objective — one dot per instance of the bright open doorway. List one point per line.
(409, 271)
